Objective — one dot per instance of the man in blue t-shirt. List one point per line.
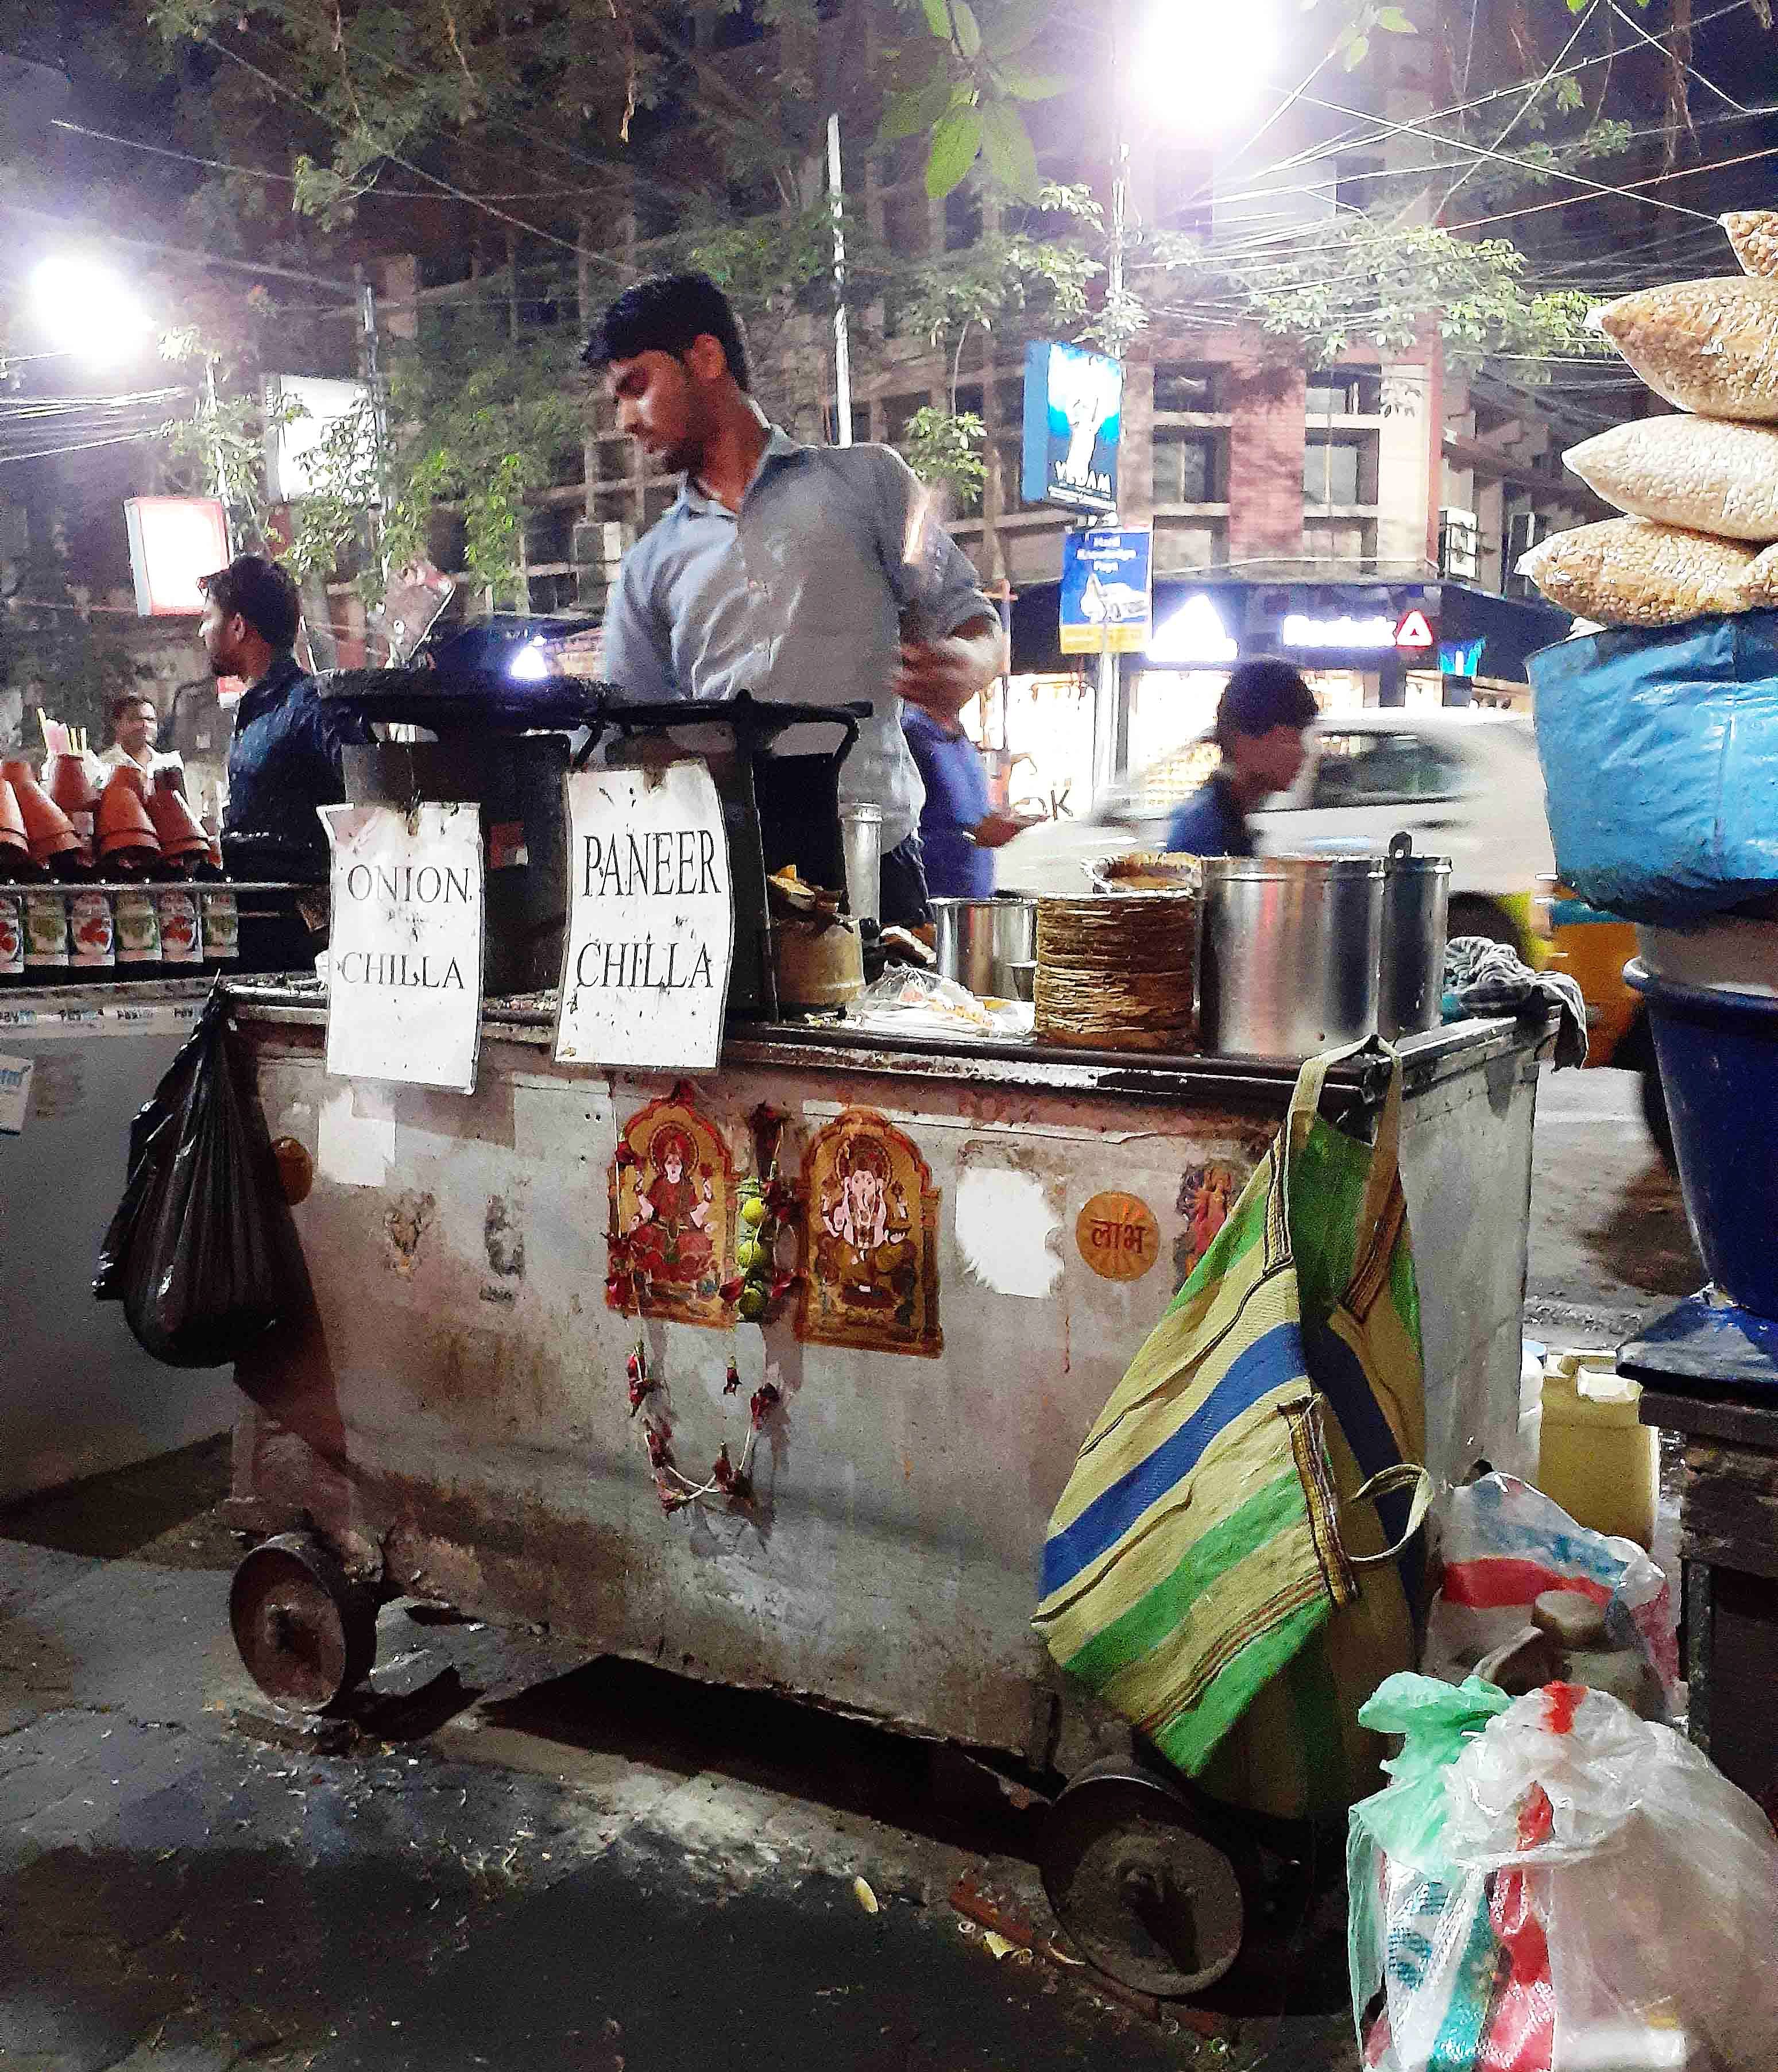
(1265, 710)
(959, 829)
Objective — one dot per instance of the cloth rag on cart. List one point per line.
(1483, 978)
(1234, 1562)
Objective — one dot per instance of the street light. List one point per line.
(1200, 64)
(88, 311)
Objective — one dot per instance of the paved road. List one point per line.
(1609, 1244)
(602, 1870)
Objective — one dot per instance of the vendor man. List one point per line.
(135, 724)
(800, 573)
(1265, 710)
(284, 759)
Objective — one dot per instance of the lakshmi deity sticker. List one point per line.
(870, 1261)
(1207, 1193)
(672, 1235)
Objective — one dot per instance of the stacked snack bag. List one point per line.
(1700, 489)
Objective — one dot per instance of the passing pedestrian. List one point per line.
(1264, 713)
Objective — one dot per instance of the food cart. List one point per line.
(967, 1238)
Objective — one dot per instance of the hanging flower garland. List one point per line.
(765, 1205)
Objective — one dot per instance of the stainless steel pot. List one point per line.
(861, 836)
(1289, 953)
(980, 941)
(1416, 897)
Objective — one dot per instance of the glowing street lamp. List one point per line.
(88, 310)
(1200, 64)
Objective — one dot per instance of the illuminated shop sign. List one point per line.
(1073, 422)
(1412, 630)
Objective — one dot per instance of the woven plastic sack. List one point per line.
(1504, 1543)
(1595, 1898)
(1660, 754)
(1753, 232)
(1700, 472)
(1708, 346)
(1632, 572)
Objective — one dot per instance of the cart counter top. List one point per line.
(832, 1045)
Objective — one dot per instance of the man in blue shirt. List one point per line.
(806, 574)
(959, 831)
(284, 759)
(1261, 717)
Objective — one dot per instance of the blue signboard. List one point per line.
(1108, 582)
(1074, 416)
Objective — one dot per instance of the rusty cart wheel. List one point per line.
(307, 1632)
(1145, 1897)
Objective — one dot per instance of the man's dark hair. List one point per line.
(665, 315)
(264, 593)
(1259, 695)
(127, 704)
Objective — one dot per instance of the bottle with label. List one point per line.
(91, 934)
(14, 869)
(46, 934)
(184, 857)
(138, 931)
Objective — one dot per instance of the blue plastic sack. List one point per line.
(1660, 756)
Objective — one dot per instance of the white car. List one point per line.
(1465, 785)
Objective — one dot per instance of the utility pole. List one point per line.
(842, 347)
(1110, 722)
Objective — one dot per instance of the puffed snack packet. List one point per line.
(1632, 572)
(1708, 346)
(1702, 473)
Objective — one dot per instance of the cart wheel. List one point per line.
(305, 1632)
(1146, 1898)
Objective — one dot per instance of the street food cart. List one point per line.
(967, 1239)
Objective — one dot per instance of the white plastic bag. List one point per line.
(1559, 1887)
(1503, 1544)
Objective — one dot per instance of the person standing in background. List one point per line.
(959, 829)
(135, 724)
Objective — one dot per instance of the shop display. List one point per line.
(1632, 572)
(1702, 473)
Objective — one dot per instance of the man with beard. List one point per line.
(810, 575)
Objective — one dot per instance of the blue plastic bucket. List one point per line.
(1719, 1054)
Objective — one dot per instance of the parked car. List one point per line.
(1465, 785)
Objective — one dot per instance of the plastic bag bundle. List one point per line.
(1753, 232)
(1554, 1885)
(1702, 473)
(1503, 1545)
(1708, 346)
(200, 1252)
(1633, 572)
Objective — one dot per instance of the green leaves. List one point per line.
(1024, 84)
(1397, 23)
(908, 114)
(1015, 24)
(956, 141)
(1011, 156)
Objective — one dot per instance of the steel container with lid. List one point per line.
(1290, 952)
(1416, 900)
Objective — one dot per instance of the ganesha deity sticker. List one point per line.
(871, 1257)
(672, 1235)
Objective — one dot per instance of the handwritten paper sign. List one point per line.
(404, 956)
(650, 919)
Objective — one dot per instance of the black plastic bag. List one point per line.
(200, 1250)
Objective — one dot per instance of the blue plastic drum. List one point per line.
(1719, 1054)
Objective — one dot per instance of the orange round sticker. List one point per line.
(1118, 1236)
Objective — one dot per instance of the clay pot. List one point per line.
(47, 829)
(122, 822)
(12, 821)
(67, 781)
(180, 831)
